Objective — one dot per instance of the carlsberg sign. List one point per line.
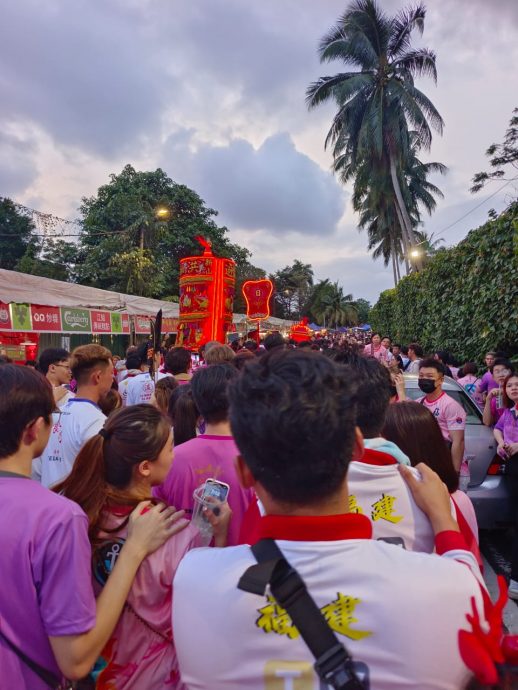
(76, 320)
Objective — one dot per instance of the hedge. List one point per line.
(465, 300)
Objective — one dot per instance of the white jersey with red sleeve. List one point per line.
(398, 612)
(450, 415)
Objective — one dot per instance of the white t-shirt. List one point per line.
(163, 375)
(140, 389)
(413, 367)
(79, 420)
(123, 385)
(380, 493)
(36, 463)
(398, 612)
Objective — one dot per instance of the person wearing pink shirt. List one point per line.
(212, 455)
(114, 471)
(376, 349)
(450, 416)
(470, 381)
(50, 624)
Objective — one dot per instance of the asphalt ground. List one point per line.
(495, 546)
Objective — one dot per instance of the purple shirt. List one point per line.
(508, 425)
(201, 458)
(487, 383)
(46, 588)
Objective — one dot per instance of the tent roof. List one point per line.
(24, 288)
(27, 289)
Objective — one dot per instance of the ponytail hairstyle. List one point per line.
(103, 470)
(183, 413)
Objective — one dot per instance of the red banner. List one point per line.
(5, 317)
(142, 326)
(257, 294)
(125, 323)
(169, 325)
(45, 318)
(101, 321)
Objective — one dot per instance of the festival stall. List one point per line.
(38, 312)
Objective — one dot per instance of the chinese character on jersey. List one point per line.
(274, 618)
(383, 509)
(354, 506)
(339, 615)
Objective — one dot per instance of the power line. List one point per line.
(439, 232)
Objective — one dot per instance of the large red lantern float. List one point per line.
(207, 288)
(300, 332)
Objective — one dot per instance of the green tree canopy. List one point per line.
(138, 227)
(293, 286)
(502, 157)
(16, 235)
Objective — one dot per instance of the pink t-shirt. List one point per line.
(380, 353)
(46, 588)
(201, 458)
(140, 653)
(449, 414)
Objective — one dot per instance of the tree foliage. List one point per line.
(16, 235)
(127, 246)
(500, 157)
(383, 120)
(331, 307)
(293, 286)
(465, 300)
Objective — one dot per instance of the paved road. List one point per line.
(495, 546)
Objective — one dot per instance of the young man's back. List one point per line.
(397, 612)
(47, 585)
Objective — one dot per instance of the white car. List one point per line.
(487, 488)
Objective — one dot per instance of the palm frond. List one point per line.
(419, 63)
(402, 26)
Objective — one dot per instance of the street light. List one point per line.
(416, 253)
(162, 212)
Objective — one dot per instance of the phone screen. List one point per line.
(216, 489)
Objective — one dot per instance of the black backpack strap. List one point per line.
(334, 664)
(46, 676)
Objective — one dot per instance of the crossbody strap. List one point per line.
(46, 676)
(334, 664)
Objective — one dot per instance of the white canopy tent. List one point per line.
(23, 288)
(26, 289)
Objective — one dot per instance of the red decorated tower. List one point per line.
(207, 288)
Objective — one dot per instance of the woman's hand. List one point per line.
(219, 518)
(511, 448)
(501, 450)
(151, 526)
(399, 382)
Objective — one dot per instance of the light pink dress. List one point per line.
(140, 653)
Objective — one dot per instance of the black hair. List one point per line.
(416, 348)
(431, 363)
(133, 361)
(273, 340)
(209, 390)
(183, 414)
(52, 355)
(178, 361)
(251, 345)
(374, 391)
(293, 414)
(502, 362)
(25, 395)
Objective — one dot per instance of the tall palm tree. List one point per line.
(378, 103)
(333, 306)
(375, 201)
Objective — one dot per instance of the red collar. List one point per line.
(377, 457)
(213, 437)
(315, 528)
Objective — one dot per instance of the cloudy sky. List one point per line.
(213, 92)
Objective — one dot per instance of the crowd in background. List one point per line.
(321, 450)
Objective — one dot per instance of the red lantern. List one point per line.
(257, 294)
(207, 287)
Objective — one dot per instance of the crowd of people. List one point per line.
(118, 576)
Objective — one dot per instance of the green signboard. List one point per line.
(116, 322)
(75, 320)
(21, 317)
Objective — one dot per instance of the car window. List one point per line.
(473, 416)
